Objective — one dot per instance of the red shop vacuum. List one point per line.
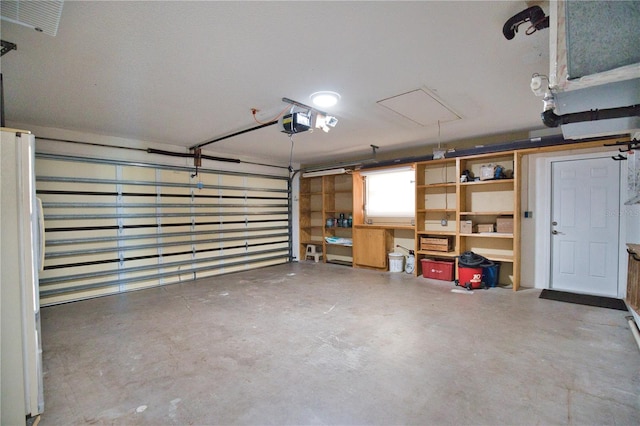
(470, 267)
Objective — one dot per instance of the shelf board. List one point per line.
(498, 156)
(339, 245)
(315, 242)
(438, 253)
(433, 163)
(496, 213)
(386, 226)
(437, 185)
(488, 235)
(436, 210)
(487, 182)
(497, 258)
(451, 233)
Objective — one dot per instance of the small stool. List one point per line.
(311, 251)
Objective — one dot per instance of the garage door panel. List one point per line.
(128, 226)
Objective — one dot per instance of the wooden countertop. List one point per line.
(389, 226)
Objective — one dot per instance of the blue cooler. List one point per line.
(490, 274)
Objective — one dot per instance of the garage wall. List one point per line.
(536, 190)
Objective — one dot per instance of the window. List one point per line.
(390, 195)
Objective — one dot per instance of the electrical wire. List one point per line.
(254, 111)
(291, 155)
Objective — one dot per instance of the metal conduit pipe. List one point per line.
(551, 119)
(537, 142)
(634, 330)
(507, 146)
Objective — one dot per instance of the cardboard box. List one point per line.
(485, 227)
(504, 225)
(437, 269)
(466, 226)
(487, 172)
(443, 244)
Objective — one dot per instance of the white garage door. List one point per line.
(114, 226)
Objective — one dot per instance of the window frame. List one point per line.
(405, 216)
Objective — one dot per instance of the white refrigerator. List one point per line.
(21, 259)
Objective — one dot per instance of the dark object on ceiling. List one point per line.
(7, 46)
(296, 122)
(534, 14)
(551, 119)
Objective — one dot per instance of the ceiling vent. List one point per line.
(43, 16)
(421, 106)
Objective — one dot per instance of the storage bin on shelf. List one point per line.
(485, 227)
(443, 244)
(504, 225)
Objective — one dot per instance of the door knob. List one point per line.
(554, 232)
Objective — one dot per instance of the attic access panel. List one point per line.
(420, 106)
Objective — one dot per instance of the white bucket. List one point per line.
(396, 262)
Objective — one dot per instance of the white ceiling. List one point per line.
(187, 72)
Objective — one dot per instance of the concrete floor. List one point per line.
(326, 344)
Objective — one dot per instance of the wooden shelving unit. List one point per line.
(436, 207)
(327, 197)
(443, 202)
(311, 220)
(483, 202)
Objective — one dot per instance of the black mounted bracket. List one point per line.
(7, 46)
(630, 146)
(534, 14)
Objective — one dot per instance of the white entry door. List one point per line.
(584, 226)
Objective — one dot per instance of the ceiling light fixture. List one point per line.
(325, 99)
(325, 172)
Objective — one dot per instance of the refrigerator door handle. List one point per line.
(41, 233)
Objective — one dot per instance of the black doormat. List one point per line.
(584, 299)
